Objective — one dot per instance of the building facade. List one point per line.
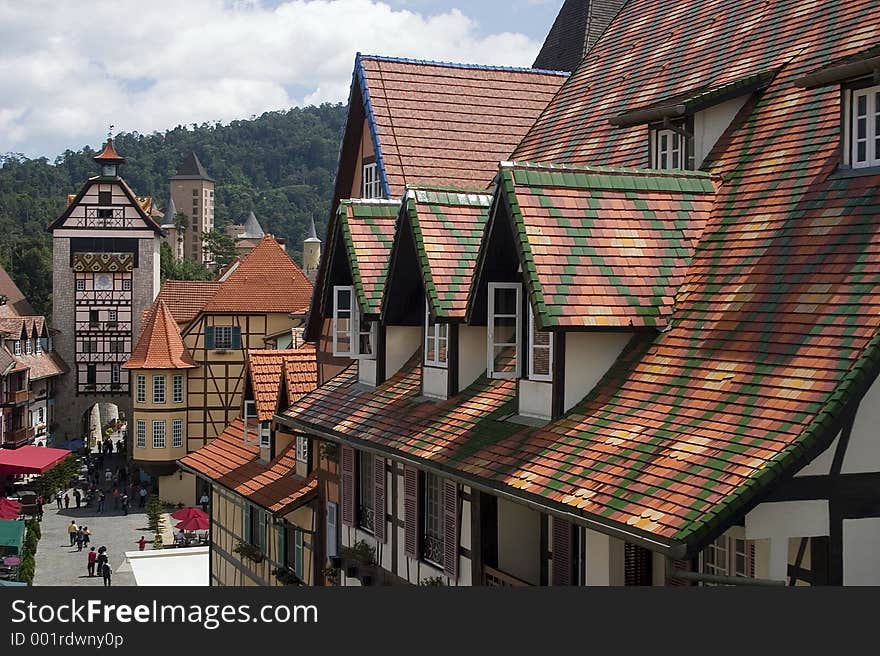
(192, 193)
(105, 274)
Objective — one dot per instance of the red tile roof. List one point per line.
(109, 154)
(301, 372)
(229, 462)
(267, 280)
(368, 231)
(160, 345)
(44, 365)
(186, 298)
(267, 368)
(449, 124)
(604, 247)
(16, 303)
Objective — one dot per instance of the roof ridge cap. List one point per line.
(461, 65)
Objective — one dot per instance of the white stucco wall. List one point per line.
(861, 560)
(711, 123)
(587, 357)
(535, 398)
(800, 519)
(471, 354)
(604, 565)
(519, 541)
(367, 371)
(821, 464)
(434, 382)
(400, 343)
(863, 449)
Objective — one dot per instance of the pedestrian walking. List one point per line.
(77, 495)
(87, 536)
(80, 537)
(108, 476)
(143, 495)
(142, 544)
(58, 498)
(93, 557)
(66, 500)
(203, 502)
(40, 508)
(125, 504)
(101, 497)
(71, 531)
(107, 572)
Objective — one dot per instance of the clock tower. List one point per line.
(105, 274)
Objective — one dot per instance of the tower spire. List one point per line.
(109, 159)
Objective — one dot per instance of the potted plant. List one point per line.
(331, 575)
(249, 551)
(432, 581)
(286, 576)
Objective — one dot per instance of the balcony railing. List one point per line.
(20, 436)
(495, 578)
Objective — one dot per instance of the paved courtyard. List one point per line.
(60, 564)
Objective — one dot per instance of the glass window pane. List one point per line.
(505, 330)
(441, 350)
(505, 301)
(343, 299)
(504, 358)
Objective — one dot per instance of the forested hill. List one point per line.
(280, 165)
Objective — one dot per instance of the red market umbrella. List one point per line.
(30, 459)
(188, 513)
(194, 524)
(9, 509)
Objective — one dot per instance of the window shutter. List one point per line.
(683, 565)
(246, 529)
(562, 539)
(379, 513)
(236, 337)
(636, 565)
(411, 512)
(209, 337)
(347, 463)
(281, 545)
(450, 528)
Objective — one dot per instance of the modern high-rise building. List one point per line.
(105, 274)
(192, 192)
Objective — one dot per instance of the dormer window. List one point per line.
(38, 345)
(540, 351)
(864, 127)
(503, 330)
(372, 187)
(669, 148)
(27, 347)
(16, 349)
(353, 336)
(436, 341)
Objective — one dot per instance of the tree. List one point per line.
(221, 247)
(182, 270)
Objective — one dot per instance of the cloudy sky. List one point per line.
(69, 68)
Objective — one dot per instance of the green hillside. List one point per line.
(280, 165)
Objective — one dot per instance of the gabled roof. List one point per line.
(16, 303)
(447, 124)
(367, 232)
(138, 203)
(45, 365)
(603, 247)
(577, 27)
(160, 345)
(266, 280)
(191, 169)
(186, 298)
(229, 462)
(267, 369)
(447, 227)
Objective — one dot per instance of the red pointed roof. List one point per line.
(160, 345)
(266, 280)
(109, 154)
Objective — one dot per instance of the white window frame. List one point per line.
(177, 388)
(872, 109)
(548, 377)
(80, 284)
(141, 434)
(16, 347)
(332, 522)
(726, 546)
(115, 373)
(158, 389)
(141, 386)
(354, 327)
(433, 340)
(225, 343)
(158, 433)
(371, 186)
(265, 434)
(176, 433)
(112, 316)
(126, 284)
(673, 138)
(38, 346)
(27, 347)
(490, 330)
(302, 448)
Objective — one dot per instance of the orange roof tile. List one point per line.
(160, 345)
(267, 280)
(266, 369)
(45, 365)
(109, 154)
(16, 303)
(186, 298)
(231, 463)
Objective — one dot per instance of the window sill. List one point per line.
(844, 172)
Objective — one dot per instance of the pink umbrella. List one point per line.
(187, 513)
(194, 524)
(9, 509)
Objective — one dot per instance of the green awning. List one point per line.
(11, 534)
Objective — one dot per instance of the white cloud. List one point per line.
(67, 70)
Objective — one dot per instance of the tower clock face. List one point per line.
(103, 282)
